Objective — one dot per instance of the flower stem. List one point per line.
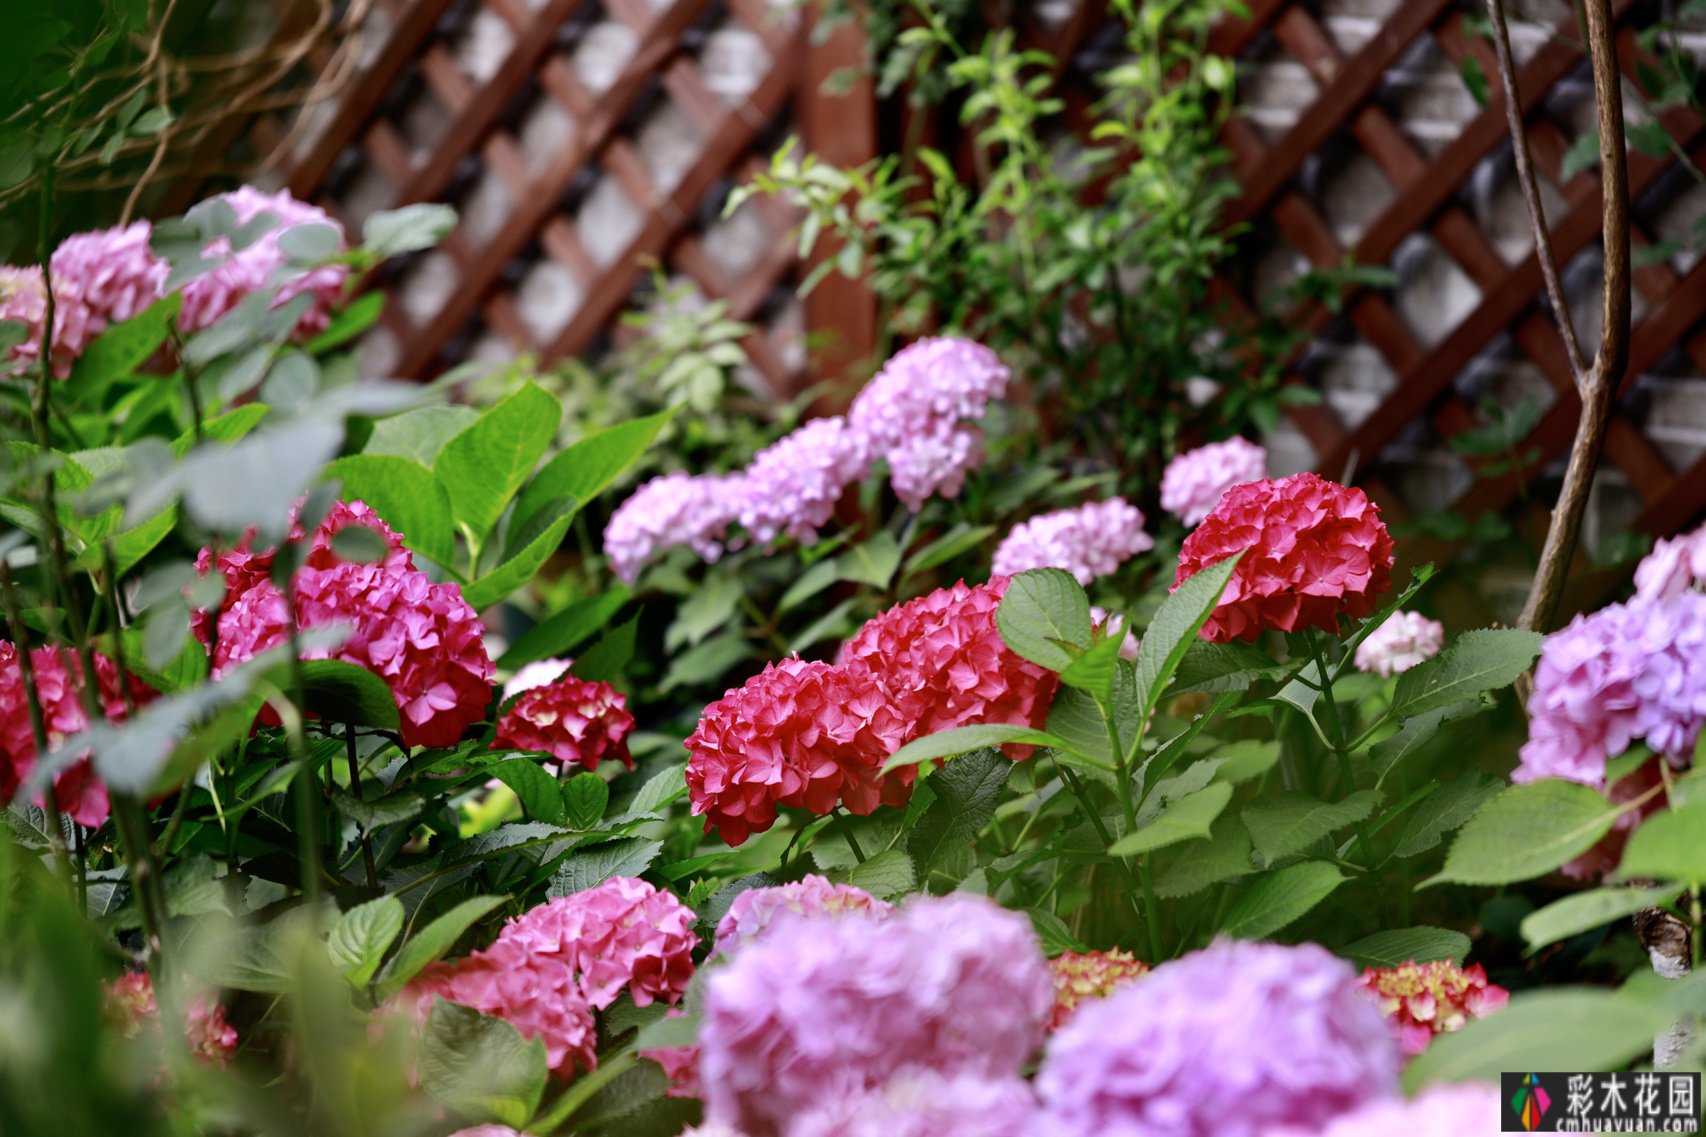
(355, 792)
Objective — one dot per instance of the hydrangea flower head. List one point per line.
(131, 1008)
(1224, 1042)
(1403, 640)
(1195, 481)
(793, 484)
(926, 1104)
(671, 510)
(1088, 542)
(1080, 976)
(1313, 549)
(58, 677)
(1676, 565)
(1425, 999)
(23, 300)
(816, 1011)
(534, 993)
(263, 265)
(100, 278)
(578, 721)
(811, 896)
(1464, 1109)
(943, 658)
(621, 934)
(802, 734)
(916, 414)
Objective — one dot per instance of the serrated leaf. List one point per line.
(1043, 612)
(1527, 831)
(482, 467)
(1482, 660)
(481, 1066)
(587, 469)
(361, 937)
(541, 794)
(1417, 732)
(564, 631)
(585, 797)
(967, 791)
(1052, 931)
(1402, 945)
(605, 660)
(432, 942)
(1216, 668)
(391, 232)
(1541, 1030)
(592, 866)
(345, 693)
(965, 739)
(886, 874)
(1272, 901)
(1668, 846)
(1445, 810)
(405, 495)
(519, 568)
(1176, 624)
(1189, 817)
(1225, 857)
(1291, 822)
(1585, 911)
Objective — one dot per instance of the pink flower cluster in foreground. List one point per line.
(1195, 481)
(59, 687)
(133, 1012)
(916, 415)
(1402, 640)
(579, 722)
(1312, 550)
(814, 735)
(1467, 1109)
(107, 276)
(552, 966)
(1425, 999)
(1089, 541)
(421, 638)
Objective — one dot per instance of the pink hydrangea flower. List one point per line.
(1465, 1109)
(1403, 640)
(537, 674)
(926, 1104)
(132, 1010)
(817, 1011)
(262, 265)
(915, 414)
(578, 721)
(1088, 542)
(1425, 999)
(812, 897)
(23, 300)
(101, 278)
(1195, 481)
(792, 485)
(1676, 565)
(943, 659)
(802, 734)
(680, 1065)
(1313, 550)
(535, 994)
(488, 1131)
(1225, 1042)
(1080, 976)
(675, 509)
(59, 688)
(623, 934)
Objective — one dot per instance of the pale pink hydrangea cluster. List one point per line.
(1402, 640)
(1089, 541)
(262, 264)
(926, 1103)
(537, 674)
(792, 485)
(1466, 1109)
(1194, 482)
(818, 1012)
(671, 510)
(1676, 565)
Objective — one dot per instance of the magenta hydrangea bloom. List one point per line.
(1088, 542)
(819, 1010)
(1195, 481)
(811, 896)
(623, 933)
(675, 509)
(1403, 640)
(262, 265)
(1675, 565)
(1224, 1042)
(792, 485)
(1629, 672)
(915, 414)
(579, 722)
(926, 1104)
(101, 278)
(23, 300)
(1466, 1109)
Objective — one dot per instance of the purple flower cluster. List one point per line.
(1468, 1109)
(926, 1104)
(1676, 565)
(914, 415)
(1089, 541)
(1194, 482)
(1629, 672)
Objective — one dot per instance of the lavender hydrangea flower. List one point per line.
(263, 264)
(1403, 640)
(100, 278)
(1468, 1109)
(1089, 541)
(675, 509)
(915, 414)
(1675, 565)
(815, 1011)
(926, 1104)
(1194, 482)
(1225, 1042)
(792, 485)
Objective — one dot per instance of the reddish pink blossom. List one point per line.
(263, 265)
(1425, 999)
(623, 933)
(578, 721)
(132, 1010)
(1313, 550)
(942, 658)
(807, 735)
(1079, 976)
(59, 687)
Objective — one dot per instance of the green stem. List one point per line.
(845, 825)
(307, 802)
(1150, 913)
(1337, 743)
(355, 792)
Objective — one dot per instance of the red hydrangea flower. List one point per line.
(943, 659)
(1312, 549)
(59, 687)
(132, 1010)
(578, 721)
(801, 734)
(535, 994)
(1425, 999)
(622, 934)
(1089, 975)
